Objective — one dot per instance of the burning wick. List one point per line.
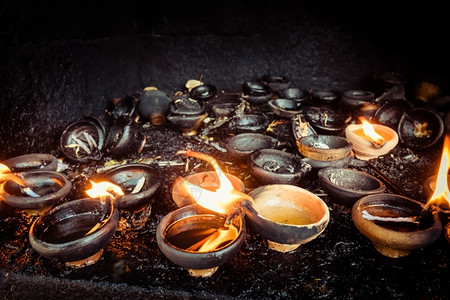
(441, 193)
(104, 190)
(225, 200)
(377, 140)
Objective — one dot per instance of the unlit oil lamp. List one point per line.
(371, 140)
(204, 235)
(287, 216)
(33, 191)
(32, 161)
(76, 232)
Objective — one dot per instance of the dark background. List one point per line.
(65, 59)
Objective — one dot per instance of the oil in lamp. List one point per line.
(286, 215)
(76, 232)
(206, 234)
(370, 140)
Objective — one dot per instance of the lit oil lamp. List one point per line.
(204, 235)
(396, 224)
(440, 197)
(371, 140)
(32, 191)
(76, 232)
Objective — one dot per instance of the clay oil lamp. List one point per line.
(272, 166)
(138, 182)
(322, 151)
(391, 222)
(300, 96)
(250, 123)
(420, 128)
(324, 97)
(284, 108)
(202, 236)
(32, 161)
(325, 120)
(82, 141)
(324, 147)
(225, 109)
(154, 105)
(240, 146)
(371, 140)
(256, 93)
(346, 186)
(353, 100)
(124, 137)
(187, 115)
(287, 216)
(276, 83)
(33, 191)
(390, 112)
(76, 232)
(203, 92)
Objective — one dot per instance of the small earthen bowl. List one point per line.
(346, 186)
(272, 166)
(324, 147)
(389, 222)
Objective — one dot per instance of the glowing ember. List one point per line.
(370, 134)
(225, 200)
(441, 192)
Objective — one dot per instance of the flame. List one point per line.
(104, 189)
(441, 192)
(376, 139)
(6, 174)
(225, 199)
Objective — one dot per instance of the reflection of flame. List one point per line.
(376, 139)
(441, 192)
(224, 199)
(214, 240)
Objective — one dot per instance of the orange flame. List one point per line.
(441, 192)
(104, 189)
(376, 139)
(225, 199)
(6, 174)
